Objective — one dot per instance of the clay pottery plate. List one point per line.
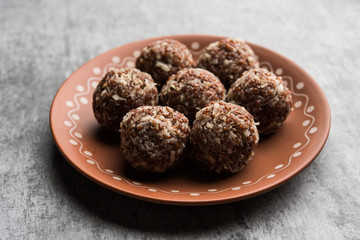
(95, 152)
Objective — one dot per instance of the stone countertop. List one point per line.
(43, 42)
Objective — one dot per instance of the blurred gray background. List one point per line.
(43, 42)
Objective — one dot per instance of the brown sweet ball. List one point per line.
(265, 96)
(191, 89)
(153, 138)
(228, 59)
(163, 58)
(118, 92)
(223, 137)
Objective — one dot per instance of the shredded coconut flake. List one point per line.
(163, 66)
(117, 97)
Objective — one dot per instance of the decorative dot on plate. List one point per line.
(266, 67)
(136, 53)
(212, 190)
(279, 166)
(305, 123)
(90, 161)
(174, 191)
(246, 182)
(75, 117)
(298, 104)
(115, 59)
(83, 100)
(236, 188)
(194, 194)
(94, 84)
(300, 85)
(130, 64)
(109, 171)
(271, 176)
(310, 109)
(296, 154)
(69, 103)
(117, 178)
(136, 183)
(313, 130)
(88, 153)
(296, 145)
(67, 123)
(279, 71)
(73, 142)
(80, 88)
(195, 45)
(78, 135)
(152, 190)
(96, 70)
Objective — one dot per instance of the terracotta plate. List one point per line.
(95, 153)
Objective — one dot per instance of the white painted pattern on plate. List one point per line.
(279, 166)
(80, 88)
(296, 145)
(297, 104)
(78, 135)
(195, 45)
(69, 103)
(115, 59)
(279, 71)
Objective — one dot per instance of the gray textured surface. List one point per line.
(43, 42)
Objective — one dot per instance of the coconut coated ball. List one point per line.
(153, 138)
(265, 96)
(163, 58)
(118, 92)
(228, 59)
(223, 137)
(191, 89)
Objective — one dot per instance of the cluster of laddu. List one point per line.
(216, 107)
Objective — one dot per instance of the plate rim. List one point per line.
(197, 202)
